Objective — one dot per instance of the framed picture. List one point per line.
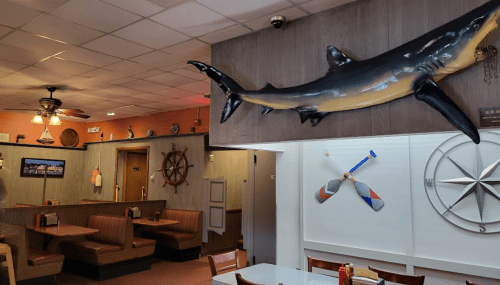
(35, 167)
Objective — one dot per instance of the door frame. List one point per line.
(126, 149)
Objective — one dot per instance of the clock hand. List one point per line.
(333, 186)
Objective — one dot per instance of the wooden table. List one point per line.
(265, 273)
(148, 223)
(61, 230)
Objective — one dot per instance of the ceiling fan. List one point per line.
(50, 106)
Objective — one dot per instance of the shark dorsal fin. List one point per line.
(268, 87)
(336, 58)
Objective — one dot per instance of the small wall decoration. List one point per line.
(35, 167)
(460, 179)
(174, 167)
(412, 68)
(45, 137)
(364, 191)
(130, 133)
(69, 137)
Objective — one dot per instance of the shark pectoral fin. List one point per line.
(336, 58)
(316, 118)
(267, 110)
(428, 91)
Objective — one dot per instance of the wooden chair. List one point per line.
(398, 277)
(5, 251)
(241, 281)
(323, 264)
(227, 261)
(467, 282)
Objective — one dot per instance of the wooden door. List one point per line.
(136, 175)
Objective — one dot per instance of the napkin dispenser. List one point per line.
(134, 212)
(51, 219)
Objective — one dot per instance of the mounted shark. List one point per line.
(411, 68)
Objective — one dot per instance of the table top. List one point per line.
(265, 273)
(63, 230)
(160, 223)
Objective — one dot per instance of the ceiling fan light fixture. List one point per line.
(55, 121)
(37, 119)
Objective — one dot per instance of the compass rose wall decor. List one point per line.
(462, 182)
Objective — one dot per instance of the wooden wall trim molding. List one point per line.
(44, 146)
(146, 138)
(297, 55)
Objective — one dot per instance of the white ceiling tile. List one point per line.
(151, 34)
(245, 10)
(9, 66)
(162, 106)
(63, 65)
(191, 74)
(4, 31)
(175, 93)
(131, 109)
(97, 72)
(316, 6)
(108, 105)
(143, 85)
(88, 57)
(153, 57)
(13, 15)
(123, 65)
(263, 22)
(141, 7)
(117, 47)
(73, 79)
(146, 74)
(61, 30)
(152, 97)
(103, 95)
(181, 102)
(197, 99)
(129, 100)
(170, 67)
(44, 74)
(122, 80)
(35, 43)
(40, 5)
(3, 74)
(225, 34)
(95, 14)
(170, 79)
(121, 91)
(299, 1)
(198, 87)
(192, 19)
(188, 46)
(21, 55)
(168, 3)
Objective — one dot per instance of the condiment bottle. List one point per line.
(37, 220)
(341, 274)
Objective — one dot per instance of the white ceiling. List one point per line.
(123, 56)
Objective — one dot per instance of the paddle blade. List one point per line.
(328, 190)
(370, 197)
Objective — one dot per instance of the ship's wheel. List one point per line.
(174, 167)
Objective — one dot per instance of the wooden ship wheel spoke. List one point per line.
(174, 167)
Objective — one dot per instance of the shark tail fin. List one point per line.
(228, 86)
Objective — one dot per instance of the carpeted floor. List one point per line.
(194, 272)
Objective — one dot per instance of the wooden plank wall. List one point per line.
(229, 239)
(362, 29)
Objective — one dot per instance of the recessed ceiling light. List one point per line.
(111, 114)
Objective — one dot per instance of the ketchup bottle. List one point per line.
(341, 274)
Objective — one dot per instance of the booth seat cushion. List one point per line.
(143, 242)
(40, 257)
(90, 247)
(111, 229)
(188, 220)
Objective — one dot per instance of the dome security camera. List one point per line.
(277, 21)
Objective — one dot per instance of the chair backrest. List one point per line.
(323, 264)
(227, 261)
(241, 281)
(467, 282)
(398, 277)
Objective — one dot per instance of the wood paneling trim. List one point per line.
(144, 138)
(45, 146)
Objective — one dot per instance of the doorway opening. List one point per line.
(131, 174)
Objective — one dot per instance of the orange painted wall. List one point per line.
(15, 123)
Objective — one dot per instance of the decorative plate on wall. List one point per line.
(462, 183)
(174, 129)
(69, 137)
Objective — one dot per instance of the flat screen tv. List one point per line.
(35, 167)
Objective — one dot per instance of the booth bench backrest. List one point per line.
(189, 221)
(112, 229)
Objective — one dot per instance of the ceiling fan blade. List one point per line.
(21, 110)
(69, 114)
(57, 86)
(71, 111)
